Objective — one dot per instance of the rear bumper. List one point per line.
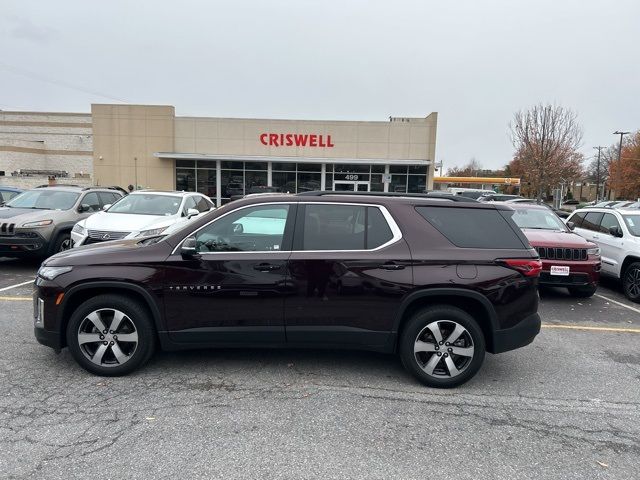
(518, 336)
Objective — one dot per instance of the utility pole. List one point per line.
(618, 173)
(598, 174)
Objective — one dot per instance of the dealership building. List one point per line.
(149, 146)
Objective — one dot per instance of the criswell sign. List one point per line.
(296, 139)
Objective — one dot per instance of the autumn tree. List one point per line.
(470, 169)
(546, 139)
(624, 175)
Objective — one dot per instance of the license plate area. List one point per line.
(560, 271)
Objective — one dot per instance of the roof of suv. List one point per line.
(375, 198)
(75, 188)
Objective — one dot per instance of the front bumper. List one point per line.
(47, 338)
(518, 336)
(22, 243)
(581, 273)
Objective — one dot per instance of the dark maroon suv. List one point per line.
(437, 280)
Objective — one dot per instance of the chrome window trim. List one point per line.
(395, 230)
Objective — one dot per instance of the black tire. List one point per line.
(449, 316)
(136, 320)
(631, 282)
(63, 242)
(582, 292)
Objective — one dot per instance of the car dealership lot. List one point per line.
(567, 406)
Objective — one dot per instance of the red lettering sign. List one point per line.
(297, 139)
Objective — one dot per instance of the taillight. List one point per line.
(527, 267)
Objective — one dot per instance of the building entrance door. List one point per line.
(350, 186)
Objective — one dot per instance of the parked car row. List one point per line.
(50, 219)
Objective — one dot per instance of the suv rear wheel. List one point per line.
(110, 335)
(631, 282)
(442, 346)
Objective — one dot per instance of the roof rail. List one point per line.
(58, 185)
(428, 194)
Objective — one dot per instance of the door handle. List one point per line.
(596, 236)
(391, 266)
(266, 267)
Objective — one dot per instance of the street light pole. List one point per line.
(598, 175)
(618, 173)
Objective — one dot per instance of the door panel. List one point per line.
(346, 296)
(226, 297)
(611, 248)
(232, 288)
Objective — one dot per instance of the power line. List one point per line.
(59, 83)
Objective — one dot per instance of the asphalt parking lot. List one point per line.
(567, 406)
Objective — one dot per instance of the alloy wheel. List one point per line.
(632, 282)
(444, 349)
(66, 244)
(107, 337)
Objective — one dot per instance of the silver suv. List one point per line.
(38, 222)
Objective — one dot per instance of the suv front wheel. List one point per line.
(110, 335)
(442, 346)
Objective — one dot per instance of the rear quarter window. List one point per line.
(474, 227)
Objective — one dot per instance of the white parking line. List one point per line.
(618, 303)
(16, 286)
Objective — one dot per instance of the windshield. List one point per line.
(538, 219)
(147, 204)
(633, 224)
(44, 200)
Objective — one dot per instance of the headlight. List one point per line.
(49, 273)
(593, 251)
(77, 228)
(41, 223)
(153, 231)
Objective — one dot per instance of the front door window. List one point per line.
(350, 186)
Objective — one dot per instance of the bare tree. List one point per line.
(546, 138)
(470, 169)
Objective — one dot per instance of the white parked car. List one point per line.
(617, 233)
(140, 214)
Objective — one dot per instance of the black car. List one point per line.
(389, 273)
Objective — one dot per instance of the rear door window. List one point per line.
(592, 221)
(577, 218)
(609, 220)
(474, 227)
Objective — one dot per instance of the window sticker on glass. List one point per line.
(630, 222)
(276, 247)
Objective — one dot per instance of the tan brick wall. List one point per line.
(125, 137)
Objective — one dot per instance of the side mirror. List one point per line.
(571, 225)
(615, 231)
(188, 249)
(238, 228)
(192, 212)
(107, 206)
(84, 208)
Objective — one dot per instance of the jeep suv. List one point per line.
(395, 273)
(38, 222)
(617, 233)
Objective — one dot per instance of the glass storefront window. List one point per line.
(290, 167)
(309, 167)
(417, 183)
(418, 169)
(285, 181)
(232, 183)
(376, 184)
(253, 180)
(352, 168)
(397, 169)
(308, 182)
(206, 182)
(185, 163)
(255, 165)
(377, 168)
(185, 179)
(233, 165)
(398, 184)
